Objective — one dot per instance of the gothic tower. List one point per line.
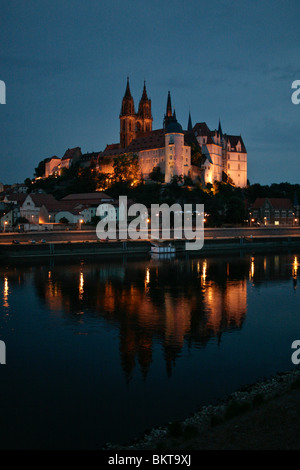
(127, 119)
(144, 116)
(168, 116)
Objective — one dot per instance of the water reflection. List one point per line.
(295, 271)
(5, 293)
(173, 302)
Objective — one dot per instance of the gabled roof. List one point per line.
(70, 153)
(53, 158)
(275, 202)
(233, 140)
(90, 197)
(16, 197)
(112, 150)
(39, 200)
(42, 199)
(202, 129)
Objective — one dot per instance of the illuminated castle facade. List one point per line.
(169, 148)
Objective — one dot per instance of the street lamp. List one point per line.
(5, 224)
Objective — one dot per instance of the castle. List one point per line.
(168, 149)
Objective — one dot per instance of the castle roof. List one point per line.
(233, 140)
(174, 127)
(111, 150)
(201, 128)
(70, 153)
(152, 139)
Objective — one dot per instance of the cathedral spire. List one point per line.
(220, 129)
(127, 92)
(169, 115)
(190, 126)
(127, 102)
(169, 106)
(144, 115)
(127, 118)
(144, 95)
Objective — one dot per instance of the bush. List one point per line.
(235, 408)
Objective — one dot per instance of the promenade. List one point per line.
(90, 234)
(85, 242)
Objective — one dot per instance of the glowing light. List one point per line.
(204, 269)
(251, 274)
(5, 293)
(147, 277)
(295, 268)
(81, 285)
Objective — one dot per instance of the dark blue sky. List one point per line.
(65, 65)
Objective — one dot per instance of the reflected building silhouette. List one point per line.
(171, 304)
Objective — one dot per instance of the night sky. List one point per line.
(65, 65)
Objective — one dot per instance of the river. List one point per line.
(99, 351)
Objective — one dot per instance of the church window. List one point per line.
(228, 166)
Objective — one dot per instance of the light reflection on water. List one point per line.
(131, 338)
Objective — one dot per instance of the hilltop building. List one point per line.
(169, 148)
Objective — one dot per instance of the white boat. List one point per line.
(162, 247)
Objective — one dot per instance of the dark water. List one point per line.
(100, 351)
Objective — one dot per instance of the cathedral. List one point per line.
(169, 148)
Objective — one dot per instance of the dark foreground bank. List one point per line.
(263, 416)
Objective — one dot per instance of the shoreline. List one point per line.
(252, 409)
(99, 248)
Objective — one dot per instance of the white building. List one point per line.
(169, 148)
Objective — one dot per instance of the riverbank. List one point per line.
(86, 249)
(261, 416)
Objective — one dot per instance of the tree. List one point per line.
(103, 181)
(39, 171)
(157, 175)
(126, 169)
(21, 220)
(235, 210)
(197, 158)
